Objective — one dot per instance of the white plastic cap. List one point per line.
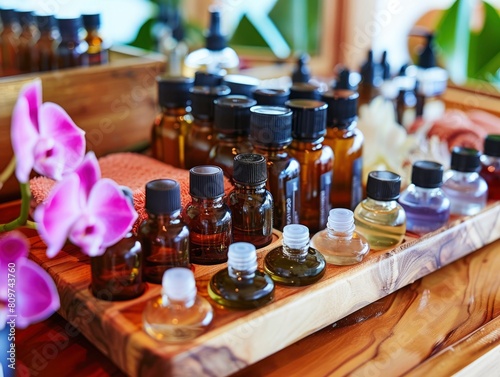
(295, 236)
(178, 284)
(242, 256)
(341, 220)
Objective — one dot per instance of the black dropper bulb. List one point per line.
(386, 68)
(368, 69)
(301, 72)
(427, 58)
(345, 81)
(215, 41)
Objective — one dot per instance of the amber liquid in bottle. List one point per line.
(97, 49)
(27, 39)
(9, 43)
(225, 149)
(44, 50)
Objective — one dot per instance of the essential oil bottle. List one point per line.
(490, 165)
(199, 140)
(98, 50)
(339, 243)
(295, 263)
(171, 126)
(179, 314)
(315, 159)
(27, 39)
(9, 42)
(466, 189)
(208, 216)
(271, 134)
(426, 206)
(380, 218)
(231, 129)
(304, 90)
(72, 50)
(44, 50)
(250, 203)
(271, 97)
(241, 285)
(164, 236)
(346, 140)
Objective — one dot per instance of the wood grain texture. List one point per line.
(237, 339)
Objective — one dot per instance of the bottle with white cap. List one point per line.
(339, 243)
(295, 262)
(179, 313)
(241, 285)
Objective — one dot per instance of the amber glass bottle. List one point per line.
(72, 51)
(9, 42)
(315, 159)
(27, 39)
(231, 128)
(44, 50)
(343, 136)
(98, 50)
(199, 140)
(171, 126)
(271, 134)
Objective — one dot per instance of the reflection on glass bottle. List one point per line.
(44, 50)
(72, 50)
(27, 39)
(9, 42)
(98, 50)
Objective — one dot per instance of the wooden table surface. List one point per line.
(447, 322)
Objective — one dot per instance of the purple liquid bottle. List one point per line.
(426, 205)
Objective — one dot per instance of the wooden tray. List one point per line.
(239, 338)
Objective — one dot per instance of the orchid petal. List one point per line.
(88, 234)
(56, 216)
(33, 94)
(89, 172)
(13, 247)
(36, 294)
(49, 158)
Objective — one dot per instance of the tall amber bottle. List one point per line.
(315, 159)
(44, 50)
(346, 140)
(27, 39)
(199, 140)
(72, 51)
(9, 42)
(98, 50)
(171, 126)
(231, 128)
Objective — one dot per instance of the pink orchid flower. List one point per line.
(91, 211)
(44, 137)
(27, 292)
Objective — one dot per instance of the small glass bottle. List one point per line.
(231, 128)
(27, 39)
(9, 42)
(426, 206)
(199, 140)
(164, 236)
(241, 285)
(179, 314)
(371, 79)
(241, 84)
(315, 159)
(466, 189)
(207, 79)
(271, 134)
(339, 243)
(304, 90)
(295, 263)
(490, 166)
(44, 50)
(98, 50)
(380, 218)
(271, 97)
(250, 203)
(208, 216)
(171, 126)
(346, 140)
(72, 50)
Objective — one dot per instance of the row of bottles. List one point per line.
(30, 43)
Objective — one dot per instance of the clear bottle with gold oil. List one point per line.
(241, 285)
(380, 218)
(346, 140)
(171, 126)
(295, 263)
(9, 42)
(98, 49)
(44, 50)
(315, 159)
(199, 140)
(27, 39)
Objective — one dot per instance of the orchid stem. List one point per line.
(9, 169)
(22, 220)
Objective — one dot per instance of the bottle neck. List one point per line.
(233, 136)
(164, 218)
(461, 176)
(266, 150)
(380, 204)
(240, 275)
(296, 253)
(338, 235)
(250, 189)
(208, 202)
(174, 111)
(309, 145)
(177, 304)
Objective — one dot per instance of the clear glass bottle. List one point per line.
(179, 314)
(490, 166)
(315, 159)
(171, 126)
(466, 189)
(380, 218)
(44, 50)
(241, 285)
(164, 236)
(346, 140)
(199, 140)
(250, 203)
(426, 206)
(72, 50)
(231, 128)
(9, 42)
(339, 243)
(271, 97)
(295, 263)
(27, 39)
(98, 49)
(208, 216)
(271, 134)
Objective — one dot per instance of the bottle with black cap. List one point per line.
(271, 97)
(241, 84)
(371, 79)
(9, 42)
(346, 140)
(271, 134)
(44, 50)
(301, 72)
(305, 90)
(72, 51)
(207, 79)
(426, 205)
(208, 216)
(171, 126)
(467, 190)
(231, 129)
(216, 57)
(98, 49)
(490, 165)
(380, 218)
(164, 236)
(199, 140)
(250, 202)
(27, 39)
(315, 159)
